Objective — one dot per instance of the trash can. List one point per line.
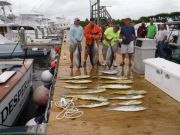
(144, 48)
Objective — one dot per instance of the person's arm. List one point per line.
(133, 33)
(72, 36)
(87, 34)
(122, 34)
(155, 31)
(81, 37)
(98, 36)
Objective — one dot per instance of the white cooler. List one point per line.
(165, 75)
(144, 48)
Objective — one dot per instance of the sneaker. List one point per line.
(114, 64)
(104, 64)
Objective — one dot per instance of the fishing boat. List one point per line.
(15, 87)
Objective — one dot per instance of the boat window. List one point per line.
(3, 30)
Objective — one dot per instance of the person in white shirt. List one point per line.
(76, 37)
(161, 38)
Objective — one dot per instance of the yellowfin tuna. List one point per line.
(109, 72)
(92, 91)
(81, 77)
(128, 97)
(94, 105)
(116, 86)
(131, 92)
(129, 102)
(89, 97)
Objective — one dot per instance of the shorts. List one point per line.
(127, 49)
(72, 48)
(88, 48)
(105, 48)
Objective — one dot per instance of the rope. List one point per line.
(69, 111)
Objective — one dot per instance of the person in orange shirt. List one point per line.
(91, 32)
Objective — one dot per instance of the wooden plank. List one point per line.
(162, 116)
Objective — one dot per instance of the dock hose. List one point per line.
(69, 110)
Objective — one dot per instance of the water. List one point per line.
(32, 110)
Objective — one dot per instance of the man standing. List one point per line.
(151, 30)
(141, 32)
(111, 38)
(161, 38)
(91, 32)
(76, 37)
(127, 46)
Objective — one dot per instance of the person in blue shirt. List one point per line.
(76, 37)
(127, 45)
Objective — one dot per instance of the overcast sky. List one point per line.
(80, 8)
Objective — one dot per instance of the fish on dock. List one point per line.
(111, 77)
(76, 77)
(110, 72)
(127, 97)
(117, 82)
(131, 92)
(116, 86)
(77, 56)
(128, 108)
(93, 105)
(129, 102)
(75, 87)
(94, 54)
(109, 56)
(78, 81)
(89, 97)
(89, 91)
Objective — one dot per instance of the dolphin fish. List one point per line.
(109, 57)
(77, 56)
(94, 54)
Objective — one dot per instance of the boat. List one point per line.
(15, 87)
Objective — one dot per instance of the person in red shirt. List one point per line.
(141, 32)
(91, 32)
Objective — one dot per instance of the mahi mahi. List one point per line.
(128, 108)
(109, 57)
(93, 105)
(116, 86)
(117, 82)
(94, 54)
(111, 77)
(90, 91)
(129, 102)
(89, 97)
(78, 81)
(131, 92)
(76, 77)
(109, 72)
(77, 56)
(75, 87)
(128, 97)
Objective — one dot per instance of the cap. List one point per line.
(76, 19)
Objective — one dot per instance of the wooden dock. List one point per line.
(162, 116)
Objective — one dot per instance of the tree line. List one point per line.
(162, 17)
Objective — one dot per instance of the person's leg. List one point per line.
(130, 59)
(161, 51)
(130, 52)
(115, 48)
(123, 52)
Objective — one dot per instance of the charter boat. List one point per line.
(15, 87)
